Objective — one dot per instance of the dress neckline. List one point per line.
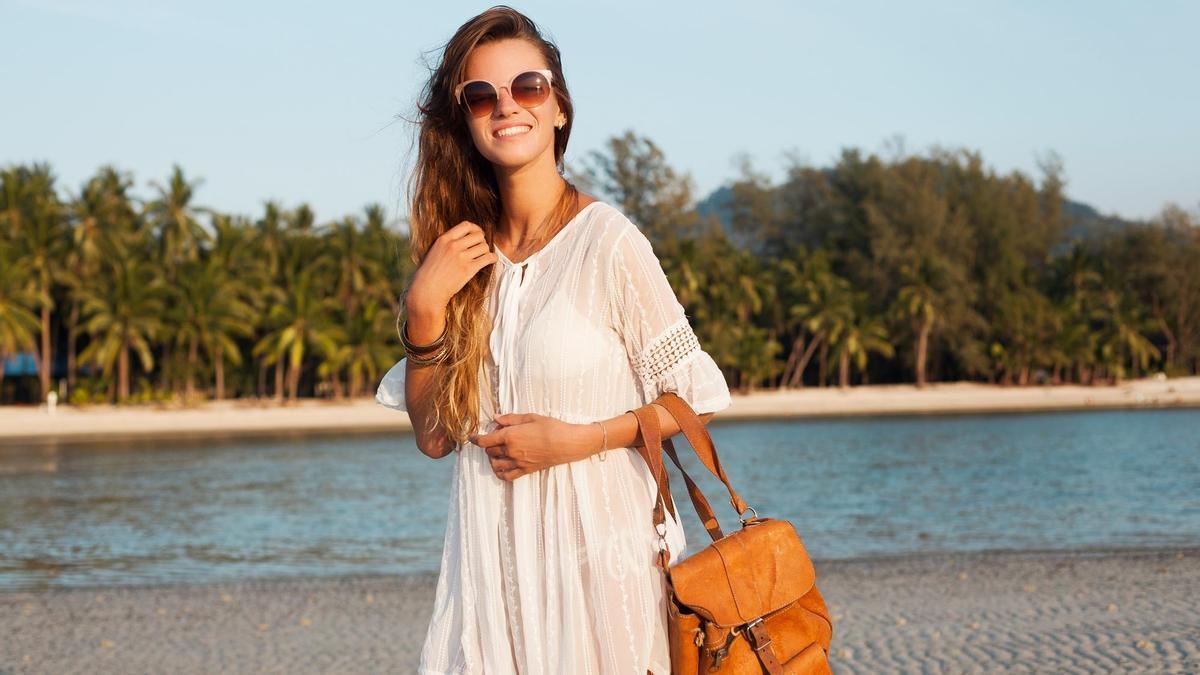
(557, 235)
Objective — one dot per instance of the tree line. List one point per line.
(904, 268)
(914, 267)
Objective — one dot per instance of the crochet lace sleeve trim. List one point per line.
(674, 347)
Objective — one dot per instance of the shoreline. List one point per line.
(1092, 611)
(906, 560)
(242, 418)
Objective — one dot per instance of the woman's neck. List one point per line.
(527, 207)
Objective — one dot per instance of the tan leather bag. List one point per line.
(748, 602)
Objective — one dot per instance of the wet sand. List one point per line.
(241, 418)
(1094, 612)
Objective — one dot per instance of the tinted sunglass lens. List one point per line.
(479, 97)
(530, 89)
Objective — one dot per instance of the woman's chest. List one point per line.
(551, 329)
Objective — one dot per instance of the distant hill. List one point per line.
(1088, 223)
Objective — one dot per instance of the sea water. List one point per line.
(147, 512)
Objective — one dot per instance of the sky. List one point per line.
(304, 101)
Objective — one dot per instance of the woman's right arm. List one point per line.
(453, 259)
(424, 326)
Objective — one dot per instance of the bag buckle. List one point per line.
(723, 651)
(748, 631)
(718, 657)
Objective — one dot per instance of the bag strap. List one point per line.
(701, 442)
(699, 501)
(651, 451)
(697, 435)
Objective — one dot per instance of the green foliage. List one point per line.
(884, 269)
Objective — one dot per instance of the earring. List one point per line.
(562, 122)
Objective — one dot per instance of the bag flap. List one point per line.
(746, 574)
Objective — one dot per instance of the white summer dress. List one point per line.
(554, 571)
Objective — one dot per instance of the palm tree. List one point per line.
(367, 350)
(857, 338)
(303, 321)
(356, 271)
(102, 219)
(918, 301)
(210, 310)
(17, 323)
(301, 219)
(36, 219)
(389, 255)
(123, 310)
(823, 311)
(271, 237)
(1122, 337)
(1072, 343)
(172, 214)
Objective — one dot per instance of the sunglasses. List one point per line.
(529, 89)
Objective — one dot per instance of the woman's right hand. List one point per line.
(453, 260)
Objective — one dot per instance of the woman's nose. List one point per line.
(506, 103)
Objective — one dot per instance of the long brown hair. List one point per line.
(452, 182)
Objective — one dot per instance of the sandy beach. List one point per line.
(1094, 612)
(240, 418)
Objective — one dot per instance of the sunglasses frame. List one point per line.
(545, 72)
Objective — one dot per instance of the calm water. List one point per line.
(153, 512)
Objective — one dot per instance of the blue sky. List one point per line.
(298, 101)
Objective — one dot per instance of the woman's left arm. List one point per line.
(528, 442)
(623, 430)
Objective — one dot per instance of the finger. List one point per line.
(461, 230)
(505, 464)
(470, 239)
(477, 249)
(516, 418)
(484, 260)
(496, 451)
(489, 439)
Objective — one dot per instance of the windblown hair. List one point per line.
(452, 182)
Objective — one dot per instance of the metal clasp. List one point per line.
(751, 518)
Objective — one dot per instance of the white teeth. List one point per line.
(512, 131)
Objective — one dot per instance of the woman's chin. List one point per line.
(513, 158)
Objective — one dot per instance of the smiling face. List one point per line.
(533, 140)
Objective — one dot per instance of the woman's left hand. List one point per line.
(528, 442)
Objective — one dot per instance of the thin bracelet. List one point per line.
(604, 443)
(426, 359)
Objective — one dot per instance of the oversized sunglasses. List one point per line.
(529, 89)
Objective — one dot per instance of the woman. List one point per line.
(541, 316)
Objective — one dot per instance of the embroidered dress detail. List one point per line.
(669, 351)
(554, 572)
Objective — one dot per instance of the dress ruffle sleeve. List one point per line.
(391, 388)
(662, 347)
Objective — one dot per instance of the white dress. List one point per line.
(554, 572)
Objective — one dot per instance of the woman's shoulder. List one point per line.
(611, 226)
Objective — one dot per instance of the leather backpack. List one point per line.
(748, 602)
